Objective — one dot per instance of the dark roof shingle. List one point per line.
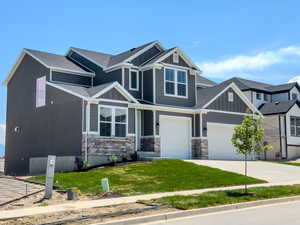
(277, 107)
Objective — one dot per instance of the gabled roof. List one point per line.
(204, 81)
(205, 96)
(277, 107)
(283, 87)
(93, 92)
(163, 55)
(51, 61)
(107, 60)
(245, 85)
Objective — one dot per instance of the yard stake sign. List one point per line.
(50, 176)
(105, 185)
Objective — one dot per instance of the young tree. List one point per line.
(248, 139)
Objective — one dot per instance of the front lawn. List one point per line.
(150, 177)
(215, 198)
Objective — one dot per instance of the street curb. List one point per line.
(194, 212)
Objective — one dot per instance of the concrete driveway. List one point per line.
(271, 172)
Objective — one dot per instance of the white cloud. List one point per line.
(243, 64)
(295, 79)
(2, 133)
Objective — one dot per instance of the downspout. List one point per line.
(87, 117)
(280, 141)
(285, 133)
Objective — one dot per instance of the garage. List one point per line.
(219, 142)
(175, 136)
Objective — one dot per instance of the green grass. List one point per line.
(290, 163)
(216, 198)
(149, 177)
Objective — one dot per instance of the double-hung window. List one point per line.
(113, 122)
(175, 83)
(295, 126)
(134, 80)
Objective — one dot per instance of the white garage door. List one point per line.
(175, 137)
(219, 142)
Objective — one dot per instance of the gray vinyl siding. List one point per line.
(69, 78)
(280, 97)
(226, 118)
(131, 121)
(84, 104)
(222, 103)
(159, 113)
(148, 85)
(147, 122)
(100, 74)
(145, 56)
(52, 129)
(115, 75)
(113, 94)
(137, 94)
(176, 101)
(204, 125)
(197, 125)
(181, 62)
(94, 117)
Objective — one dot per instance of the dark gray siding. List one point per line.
(204, 125)
(147, 122)
(215, 117)
(113, 94)
(167, 100)
(94, 117)
(115, 75)
(71, 78)
(84, 116)
(53, 129)
(131, 121)
(222, 103)
(136, 94)
(181, 62)
(100, 74)
(158, 113)
(148, 85)
(145, 56)
(197, 125)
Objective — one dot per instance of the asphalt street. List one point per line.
(279, 214)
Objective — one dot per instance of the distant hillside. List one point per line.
(1, 150)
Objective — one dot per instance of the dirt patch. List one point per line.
(90, 216)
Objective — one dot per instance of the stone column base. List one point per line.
(199, 148)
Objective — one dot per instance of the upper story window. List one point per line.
(266, 97)
(176, 83)
(175, 58)
(294, 96)
(134, 80)
(295, 126)
(230, 96)
(113, 122)
(258, 96)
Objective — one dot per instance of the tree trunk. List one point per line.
(246, 178)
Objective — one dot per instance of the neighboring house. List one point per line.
(280, 106)
(87, 105)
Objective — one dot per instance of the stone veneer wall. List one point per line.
(99, 148)
(150, 144)
(199, 148)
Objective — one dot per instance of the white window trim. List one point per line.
(294, 126)
(137, 80)
(230, 96)
(176, 83)
(113, 122)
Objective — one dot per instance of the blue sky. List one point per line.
(252, 39)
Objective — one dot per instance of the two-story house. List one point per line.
(87, 105)
(280, 106)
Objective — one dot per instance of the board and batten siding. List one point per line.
(181, 62)
(113, 94)
(222, 103)
(148, 85)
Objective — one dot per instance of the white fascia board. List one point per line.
(165, 108)
(239, 93)
(183, 55)
(202, 84)
(20, 58)
(122, 91)
(143, 50)
(88, 58)
(68, 91)
(118, 66)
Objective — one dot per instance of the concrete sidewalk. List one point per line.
(78, 205)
